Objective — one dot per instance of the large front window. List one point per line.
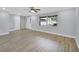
(48, 20)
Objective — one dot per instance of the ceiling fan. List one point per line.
(33, 9)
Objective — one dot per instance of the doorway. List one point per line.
(23, 21)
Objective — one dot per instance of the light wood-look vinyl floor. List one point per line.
(34, 41)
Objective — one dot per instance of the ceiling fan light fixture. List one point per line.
(32, 11)
(3, 8)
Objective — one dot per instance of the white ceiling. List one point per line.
(24, 11)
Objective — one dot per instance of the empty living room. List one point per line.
(39, 29)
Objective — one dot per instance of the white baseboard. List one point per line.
(4, 33)
(55, 33)
(13, 29)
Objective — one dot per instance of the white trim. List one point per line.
(77, 42)
(12, 29)
(4, 33)
(55, 33)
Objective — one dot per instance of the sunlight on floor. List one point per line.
(48, 44)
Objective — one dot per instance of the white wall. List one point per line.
(77, 26)
(17, 22)
(23, 21)
(28, 23)
(65, 23)
(11, 22)
(8, 23)
(34, 22)
(4, 23)
(14, 22)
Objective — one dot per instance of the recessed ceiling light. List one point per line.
(3, 8)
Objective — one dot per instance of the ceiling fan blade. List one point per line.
(37, 9)
(33, 8)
